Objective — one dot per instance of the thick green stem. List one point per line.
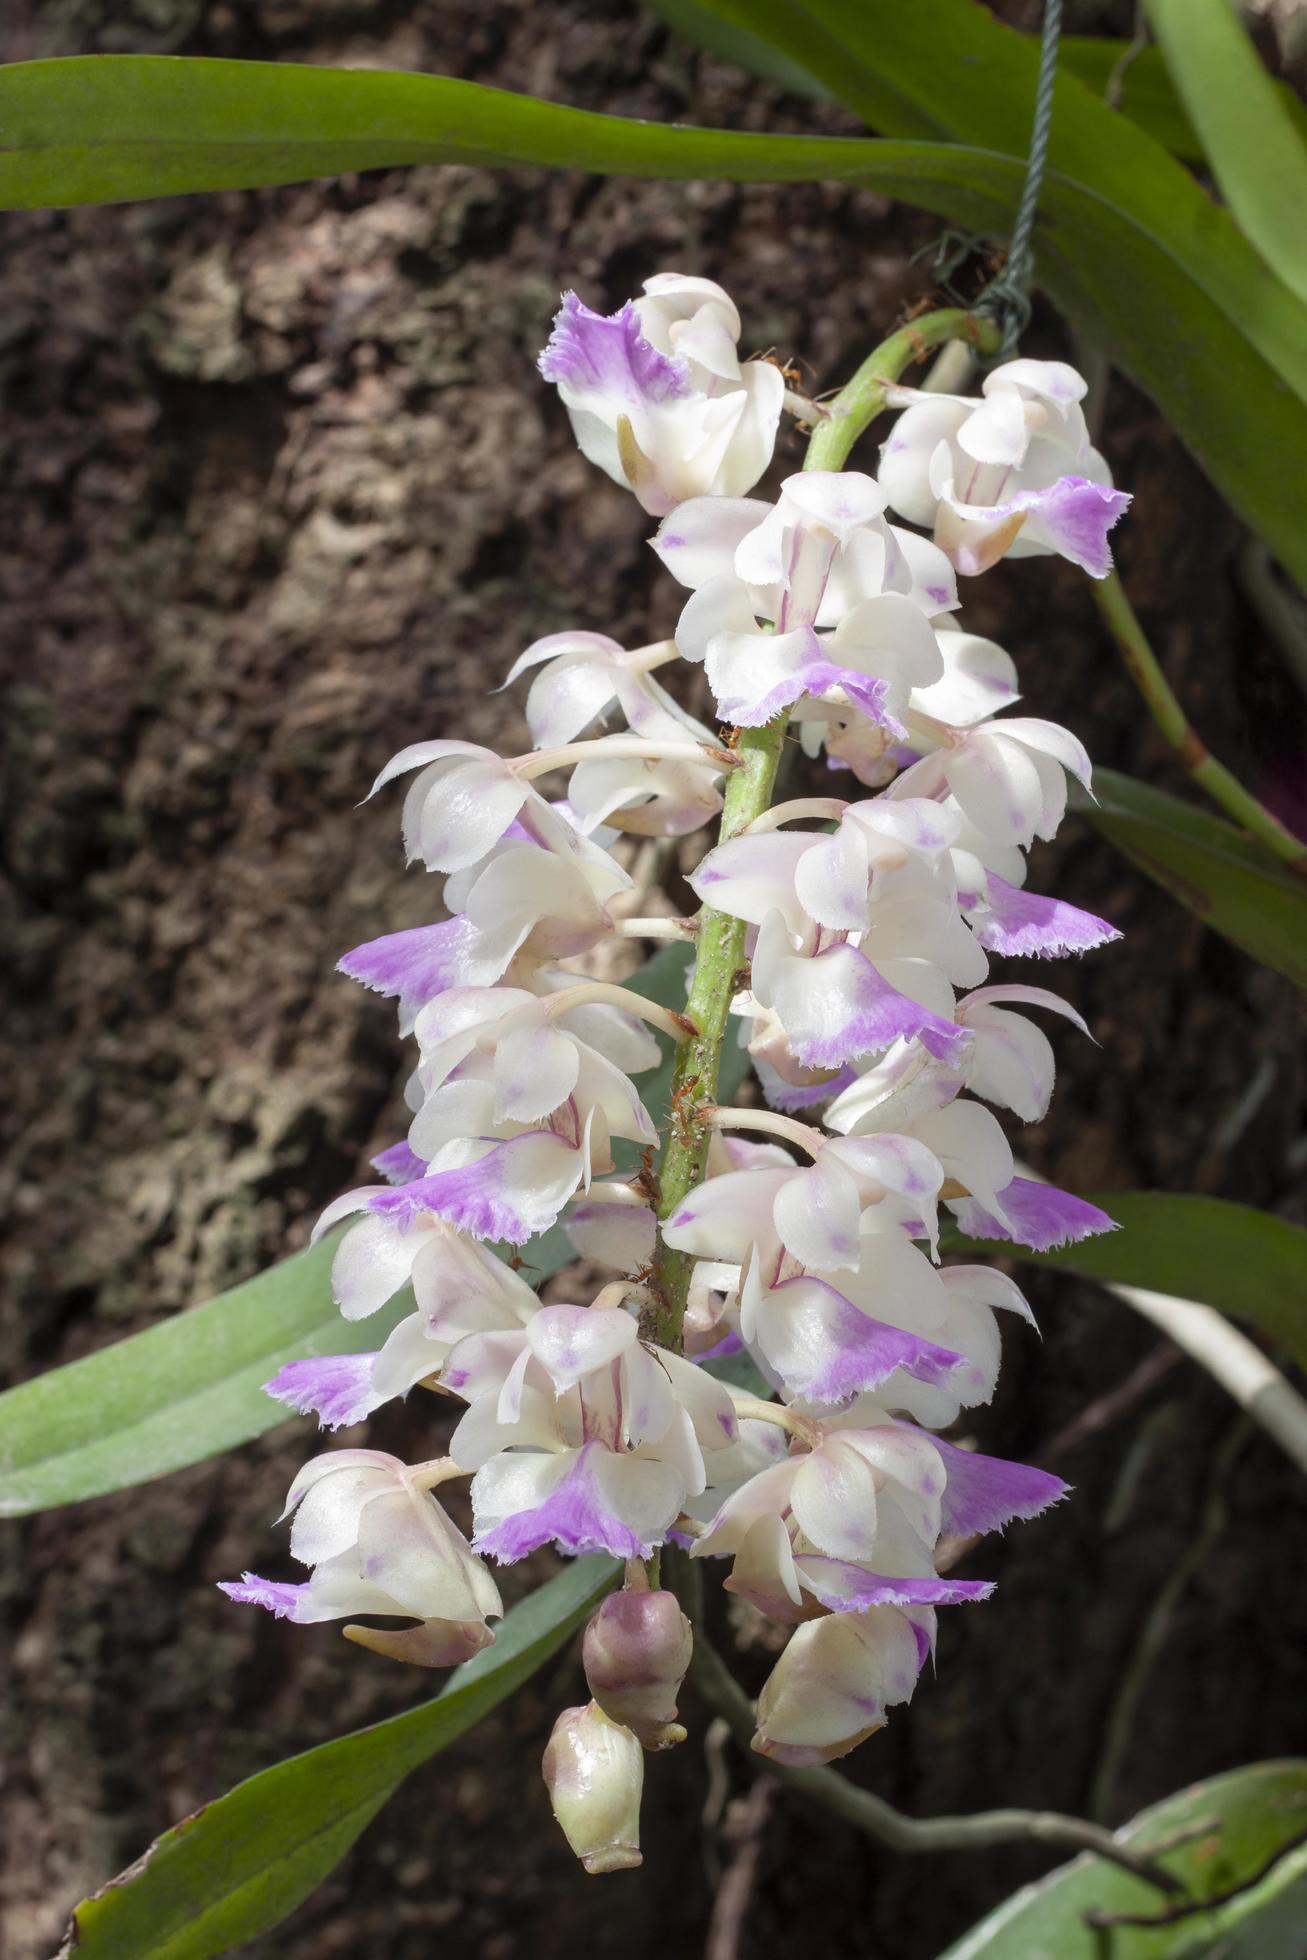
(1177, 730)
(720, 963)
(862, 398)
(719, 969)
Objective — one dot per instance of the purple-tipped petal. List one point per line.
(1075, 517)
(282, 1599)
(336, 1388)
(606, 354)
(835, 1351)
(750, 709)
(1022, 923)
(399, 1163)
(788, 1096)
(572, 1517)
(984, 1493)
(414, 966)
(837, 1007)
(849, 1588)
(512, 1192)
(1042, 1217)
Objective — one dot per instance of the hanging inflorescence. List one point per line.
(868, 920)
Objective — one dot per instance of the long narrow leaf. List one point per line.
(97, 129)
(239, 1865)
(1235, 1840)
(896, 65)
(1253, 142)
(1244, 1262)
(178, 1392)
(1147, 94)
(1207, 865)
(731, 43)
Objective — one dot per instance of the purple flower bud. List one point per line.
(594, 1771)
(636, 1652)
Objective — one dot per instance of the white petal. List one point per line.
(752, 876)
(536, 1067)
(326, 1520)
(998, 786)
(572, 1342)
(905, 455)
(698, 540)
(726, 1217)
(408, 1546)
(374, 1259)
(816, 1214)
(832, 877)
(834, 1500)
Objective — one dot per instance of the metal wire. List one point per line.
(1008, 296)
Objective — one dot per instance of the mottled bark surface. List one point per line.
(281, 491)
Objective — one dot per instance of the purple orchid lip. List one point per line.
(608, 355)
(1042, 1217)
(1014, 921)
(399, 1163)
(984, 1493)
(337, 1388)
(1076, 515)
(282, 1598)
(571, 1517)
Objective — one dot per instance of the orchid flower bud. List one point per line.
(636, 1652)
(594, 1771)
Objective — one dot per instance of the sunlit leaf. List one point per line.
(916, 70)
(1253, 141)
(240, 1864)
(1238, 1847)
(1209, 866)
(1137, 74)
(1163, 282)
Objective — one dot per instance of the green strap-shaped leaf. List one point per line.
(917, 70)
(193, 1386)
(1237, 1843)
(1209, 866)
(176, 1393)
(240, 1864)
(102, 128)
(1147, 94)
(1254, 143)
(1246, 1263)
(728, 42)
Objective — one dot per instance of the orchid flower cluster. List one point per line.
(869, 917)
